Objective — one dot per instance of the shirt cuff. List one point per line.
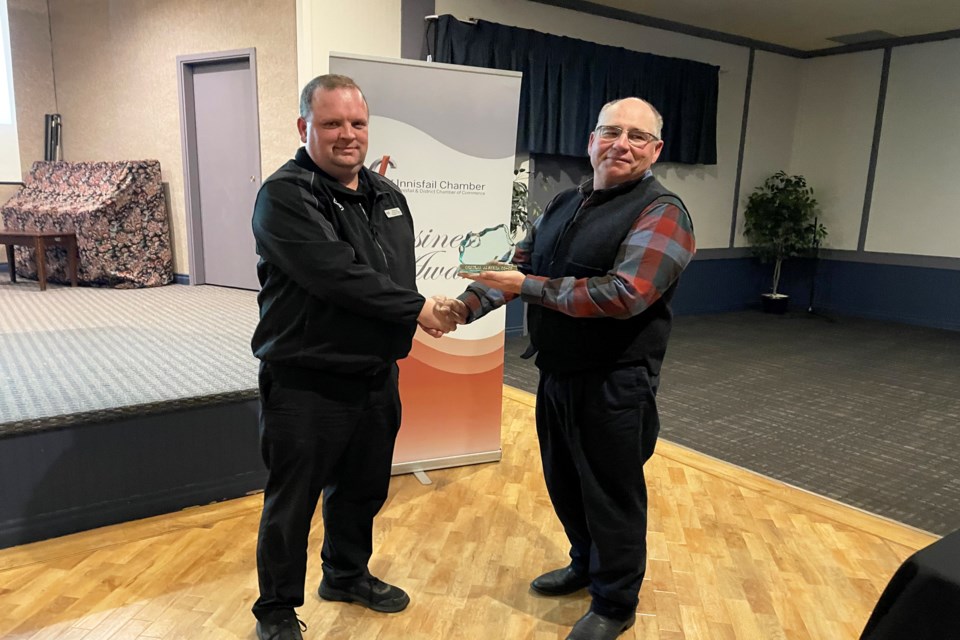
(531, 291)
(473, 302)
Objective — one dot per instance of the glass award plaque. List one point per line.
(487, 250)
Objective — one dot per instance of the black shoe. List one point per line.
(560, 582)
(281, 628)
(371, 592)
(594, 626)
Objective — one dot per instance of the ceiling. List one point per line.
(805, 25)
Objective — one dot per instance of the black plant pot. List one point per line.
(775, 303)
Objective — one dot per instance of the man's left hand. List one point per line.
(506, 281)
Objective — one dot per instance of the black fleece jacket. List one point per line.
(337, 271)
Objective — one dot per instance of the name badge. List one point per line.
(394, 212)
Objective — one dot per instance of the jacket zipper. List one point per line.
(375, 241)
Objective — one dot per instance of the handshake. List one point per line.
(441, 315)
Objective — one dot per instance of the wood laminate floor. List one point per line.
(732, 556)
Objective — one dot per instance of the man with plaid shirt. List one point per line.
(599, 269)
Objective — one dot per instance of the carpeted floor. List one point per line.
(864, 412)
(75, 352)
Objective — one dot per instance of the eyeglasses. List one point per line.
(635, 137)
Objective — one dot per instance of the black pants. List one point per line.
(596, 431)
(329, 434)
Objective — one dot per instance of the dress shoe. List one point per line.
(370, 592)
(594, 626)
(281, 628)
(560, 582)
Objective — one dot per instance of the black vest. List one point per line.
(580, 237)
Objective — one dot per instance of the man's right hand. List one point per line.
(453, 308)
(436, 318)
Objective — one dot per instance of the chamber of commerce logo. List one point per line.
(380, 165)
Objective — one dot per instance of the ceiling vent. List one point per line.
(863, 36)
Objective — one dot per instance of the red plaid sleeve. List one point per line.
(651, 257)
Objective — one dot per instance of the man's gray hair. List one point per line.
(327, 82)
(656, 113)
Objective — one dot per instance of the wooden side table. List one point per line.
(40, 240)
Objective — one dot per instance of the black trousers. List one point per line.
(329, 434)
(596, 430)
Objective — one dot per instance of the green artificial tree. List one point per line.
(780, 221)
(522, 209)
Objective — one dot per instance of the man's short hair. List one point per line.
(656, 114)
(327, 82)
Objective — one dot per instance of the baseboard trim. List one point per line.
(134, 507)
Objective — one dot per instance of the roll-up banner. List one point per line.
(446, 136)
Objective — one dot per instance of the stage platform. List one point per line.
(118, 404)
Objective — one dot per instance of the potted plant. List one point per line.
(780, 222)
(522, 209)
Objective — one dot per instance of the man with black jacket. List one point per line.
(599, 269)
(338, 308)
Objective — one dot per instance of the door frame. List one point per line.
(186, 66)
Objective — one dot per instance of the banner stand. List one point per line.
(446, 136)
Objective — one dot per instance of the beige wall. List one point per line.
(833, 138)
(914, 207)
(32, 80)
(333, 26)
(116, 78)
(32, 75)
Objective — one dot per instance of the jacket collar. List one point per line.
(586, 188)
(303, 159)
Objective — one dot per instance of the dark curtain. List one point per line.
(567, 81)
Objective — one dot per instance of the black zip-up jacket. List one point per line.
(337, 271)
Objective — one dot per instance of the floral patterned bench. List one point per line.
(115, 208)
